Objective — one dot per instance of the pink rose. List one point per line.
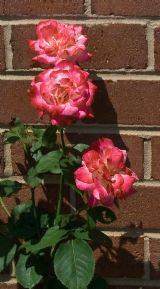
(65, 93)
(104, 175)
(57, 41)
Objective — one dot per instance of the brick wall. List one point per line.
(124, 38)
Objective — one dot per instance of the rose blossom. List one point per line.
(65, 93)
(104, 175)
(57, 41)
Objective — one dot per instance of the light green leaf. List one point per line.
(74, 264)
(7, 251)
(50, 239)
(81, 147)
(30, 269)
(32, 178)
(50, 163)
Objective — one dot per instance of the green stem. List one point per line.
(60, 196)
(35, 212)
(4, 207)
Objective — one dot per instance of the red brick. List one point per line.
(137, 211)
(124, 260)
(157, 48)
(126, 102)
(15, 102)
(133, 145)
(155, 259)
(131, 287)
(41, 8)
(2, 50)
(2, 162)
(117, 46)
(126, 7)
(18, 159)
(112, 47)
(155, 157)
(10, 285)
(22, 54)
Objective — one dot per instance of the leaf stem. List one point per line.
(4, 207)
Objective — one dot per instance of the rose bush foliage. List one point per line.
(54, 248)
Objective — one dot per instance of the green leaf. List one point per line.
(98, 283)
(49, 137)
(50, 239)
(33, 179)
(7, 188)
(62, 220)
(74, 264)
(100, 238)
(50, 163)
(7, 251)
(30, 269)
(35, 150)
(81, 234)
(81, 147)
(18, 132)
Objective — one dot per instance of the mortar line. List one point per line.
(87, 5)
(8, 171)
(133, 282)
(150, 40)
(146, 259)
(147, 159)
(145, 132)
(90, 20)
(100, 76)
(8, 48)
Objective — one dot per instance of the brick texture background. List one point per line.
(124, 39)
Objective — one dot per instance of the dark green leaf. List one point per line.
(7, 188)
(74, 264)
(102, 214)
(98, 283)
(49, 137)
(50, 239)
(30, 269)
(7, 251)
(81, 147)
(55, 284)
(50, 163)
(22, 223)
(100, 238)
